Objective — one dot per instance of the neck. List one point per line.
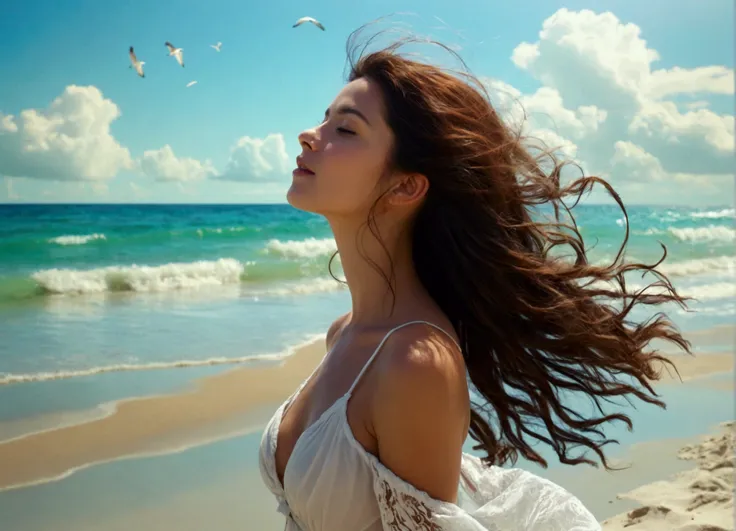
(363, 258)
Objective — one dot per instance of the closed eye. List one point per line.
(340, 130)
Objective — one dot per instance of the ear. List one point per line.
(408, 189)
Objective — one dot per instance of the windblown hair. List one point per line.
(531, 325)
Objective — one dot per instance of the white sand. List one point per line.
(700, 499)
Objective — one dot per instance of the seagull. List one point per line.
(217, 46)
(176, 52)
(309, 19)
(138, 65)
(191, 83)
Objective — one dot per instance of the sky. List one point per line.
(638, 92)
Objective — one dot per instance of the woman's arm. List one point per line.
(420, 411)
(420, 420)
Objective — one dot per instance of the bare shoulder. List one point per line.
(421, 409)
(334, 330)
(418, 362)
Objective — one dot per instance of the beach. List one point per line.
(230, 404)
(700, 498)
(138, 367)
(216, 407)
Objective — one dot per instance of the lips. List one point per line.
(302, 167)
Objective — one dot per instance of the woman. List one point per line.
(454, 291)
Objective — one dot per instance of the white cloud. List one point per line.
(7, 124)
(543, 109)
(257, 160)
(615, 103)
(713, 79)
(580, 50)
(546, 105)
(665, 121)
(525, 54)
(70, 140)
(542, 116)
(591, 117)
(504, 97)
(632, 163)
(552, 141)
(642, 173)
(163, 165)
(596, 59)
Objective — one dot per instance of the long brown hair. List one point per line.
(531, 323)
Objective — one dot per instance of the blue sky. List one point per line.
(661, 130)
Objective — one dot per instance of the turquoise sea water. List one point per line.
(104, 302)
(88, 289)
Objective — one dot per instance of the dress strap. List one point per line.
(378, 348)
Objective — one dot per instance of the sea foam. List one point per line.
(165, 277)
(308, 248)
(77, 239)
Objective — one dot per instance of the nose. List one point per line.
(308, 139)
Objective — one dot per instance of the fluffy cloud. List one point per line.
(543, 110)
(580, 50)
(664, 120)
(633, 163)
(713, 79)
(599, 89)
(642, 173)
(70, 140)
(257, 160)
(525, 54)
(556, 143)
(7, 124)
(163, 165)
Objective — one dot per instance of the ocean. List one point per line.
(86, 289)
(100, 303)
(96, 289)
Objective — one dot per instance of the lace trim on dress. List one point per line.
(506, 499)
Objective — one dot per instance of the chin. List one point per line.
(299, 197)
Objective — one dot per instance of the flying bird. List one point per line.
(178, 53)
(191, 83)
(309, 19)
(217, 46)
(135, 63)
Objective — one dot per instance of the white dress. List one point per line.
(331, 483)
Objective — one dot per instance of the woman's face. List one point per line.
(345, 155)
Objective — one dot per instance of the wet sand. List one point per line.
(697, 366)
(215, 406)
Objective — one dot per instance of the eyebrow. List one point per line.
(345, 109)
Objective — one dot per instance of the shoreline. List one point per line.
(214, 407)
(214, 404)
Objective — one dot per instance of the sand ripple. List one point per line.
(701, 499)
